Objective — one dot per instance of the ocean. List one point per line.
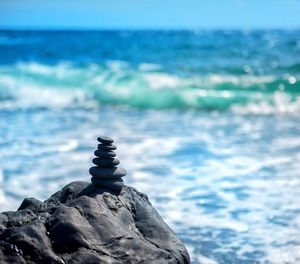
(206, 123)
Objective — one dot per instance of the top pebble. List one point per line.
(105, 140)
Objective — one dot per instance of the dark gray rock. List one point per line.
(107, 173)
(31, 203)
(104, 154)
(105, 140)
(107, 147)
(111, 184)
(85, 224)
(111, 162)
(19, 218)
(10, 254)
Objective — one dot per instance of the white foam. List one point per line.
(197, 169)
(70, 145)
(34, 67)
(159, 80)
(244, 80)
(29, 94)
(281, 103)
(117, 82)
(292, 255)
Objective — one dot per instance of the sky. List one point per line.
(149, 14)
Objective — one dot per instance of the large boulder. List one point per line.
(85, 224)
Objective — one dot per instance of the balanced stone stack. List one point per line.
(106, 174)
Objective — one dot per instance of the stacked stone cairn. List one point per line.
(106, 174)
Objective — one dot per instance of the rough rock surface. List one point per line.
(85, 224)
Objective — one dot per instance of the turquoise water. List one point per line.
(206, 70)
(206, 123)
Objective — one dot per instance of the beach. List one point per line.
(206, 122)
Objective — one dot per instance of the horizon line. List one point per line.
(5, 28)
(144, 29)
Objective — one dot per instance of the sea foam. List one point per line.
(27, 85)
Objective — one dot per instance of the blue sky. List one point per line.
(149, 14)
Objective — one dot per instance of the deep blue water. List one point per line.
(206, 123)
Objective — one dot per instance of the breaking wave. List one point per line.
(148, 86)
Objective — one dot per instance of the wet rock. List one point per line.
(106, 163)
(104, 154)
(105, 169)
(105, 140)
(83, 223)
(107, 173)
(112, 184)
(31, 203)
(107, 147)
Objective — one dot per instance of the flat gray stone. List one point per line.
(104, 154)
(105, 140)
(107, 173)
(114, 184)
(107, 147)
(108, 163)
